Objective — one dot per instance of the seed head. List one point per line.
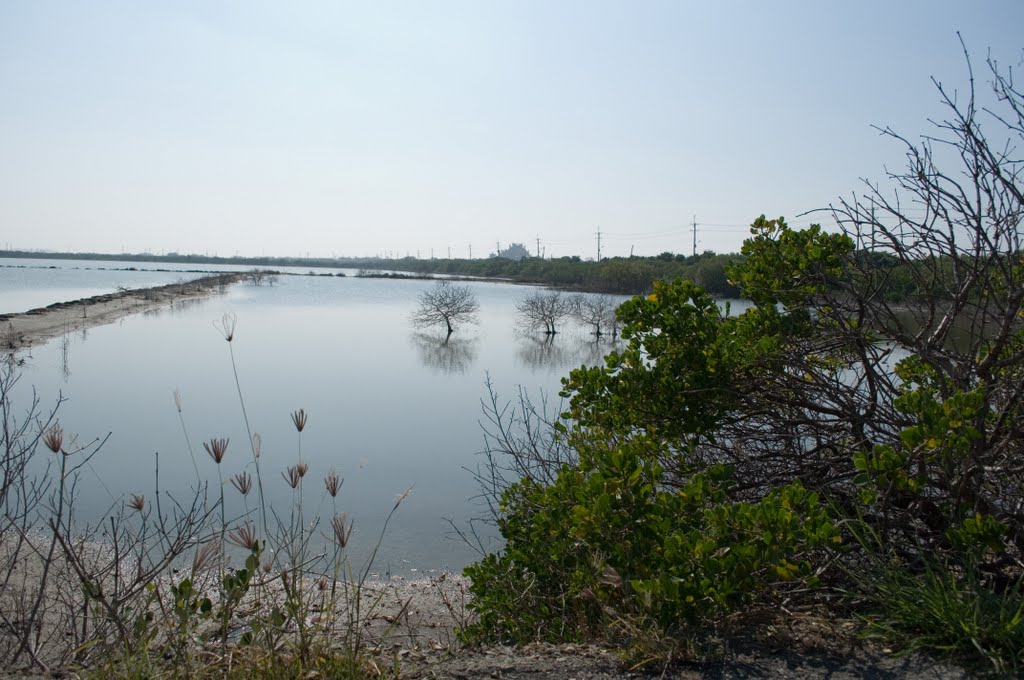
(342, 528)
(216, 448)
(54, 438)
(177, 399)
(257, 443)
(299, 419)
(302, 469)
(333, 483)
(227, 326)
(137, 502)
(204, 555)
(401, 497)
(610, 577)
(244, 537)
(243, 482)
(293, 477)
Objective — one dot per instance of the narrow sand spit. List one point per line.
(18, 331)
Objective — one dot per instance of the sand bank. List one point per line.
(18, 331)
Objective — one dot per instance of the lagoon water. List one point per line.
(388, 407)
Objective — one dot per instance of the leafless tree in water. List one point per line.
(446, 305)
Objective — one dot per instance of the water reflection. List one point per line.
(555, 352)
(592, 350)
(544, 352)
(341, 348)
(181, 305)
(65, 351)
(449, 355)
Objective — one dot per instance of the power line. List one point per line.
(647, 234)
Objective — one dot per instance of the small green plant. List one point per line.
(190, 608)
(955, 610)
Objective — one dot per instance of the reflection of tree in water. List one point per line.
(65, 351)
(448, 355)
(544, 352)
(175, 306)
(592, 351)
(561, 352)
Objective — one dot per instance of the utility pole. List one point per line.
(599, 244)
(449, 252)
(497, 245)
(471, 251)
(538, 245)
(431, 253)
(695, 235)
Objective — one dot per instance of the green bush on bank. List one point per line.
(609, 542)
(705, 444)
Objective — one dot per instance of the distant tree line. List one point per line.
(620, 275)
(899, 280)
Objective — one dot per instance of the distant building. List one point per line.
(516, 252)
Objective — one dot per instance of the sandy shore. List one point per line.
(407, 630)
(18, 331)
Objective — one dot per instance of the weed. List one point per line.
(112, 598)
(954, 610)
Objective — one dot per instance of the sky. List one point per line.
(385, 128)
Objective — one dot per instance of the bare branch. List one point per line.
(446, 305)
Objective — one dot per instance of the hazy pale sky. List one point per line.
(340, 128)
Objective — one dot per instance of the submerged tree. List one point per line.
(543, 310)
(446, 305)
(597, 313)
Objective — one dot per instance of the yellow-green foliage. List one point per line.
(609, 539)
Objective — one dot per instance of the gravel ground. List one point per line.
(410, 626)
(591, 663)
(805, 646)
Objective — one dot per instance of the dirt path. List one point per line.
(414, 620)
(18, 331)
(582, 662)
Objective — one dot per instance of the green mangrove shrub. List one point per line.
(609, 540)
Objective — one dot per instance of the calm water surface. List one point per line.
(388, 408)
(30, 283)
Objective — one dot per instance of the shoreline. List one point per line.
(24, 329)
(409, 628)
